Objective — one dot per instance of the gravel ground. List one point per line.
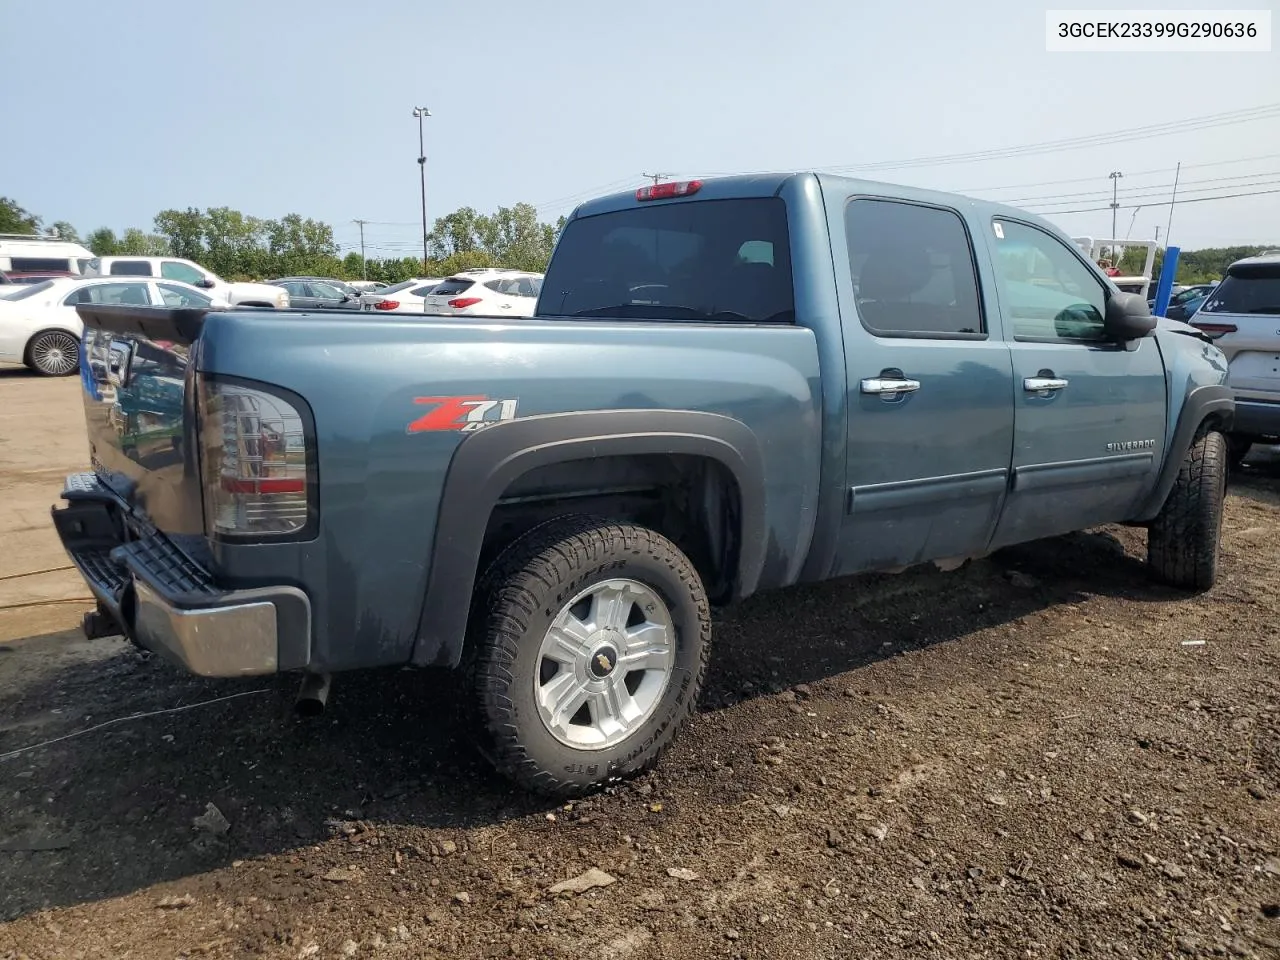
(1039, 755)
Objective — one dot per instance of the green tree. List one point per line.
(137, 243)
(184, 229)
(14, 219)
(103, 242)
(66, 231)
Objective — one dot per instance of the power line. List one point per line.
(1128, 191)
(1225, 196)
(1208, 121)
(1161, 198)
(1092, 179)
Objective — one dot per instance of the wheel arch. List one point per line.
(487, 463)
(1210, 406)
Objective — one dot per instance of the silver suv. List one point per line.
(1243, 316)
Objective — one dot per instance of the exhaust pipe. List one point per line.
(313, 695)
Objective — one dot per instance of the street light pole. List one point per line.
(1115, 204)
(421, 113)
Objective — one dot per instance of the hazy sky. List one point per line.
(117, 110)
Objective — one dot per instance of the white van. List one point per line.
(29, 253)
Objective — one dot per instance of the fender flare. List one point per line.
(487, 462)
(1212, 399)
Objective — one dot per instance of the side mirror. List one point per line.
(1128, 317)
(204, 283)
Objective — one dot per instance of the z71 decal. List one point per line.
(464, 414)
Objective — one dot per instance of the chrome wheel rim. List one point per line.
(56, 354)
(604, 664)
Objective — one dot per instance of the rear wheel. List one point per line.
(589, 647)
(1182, 541)
(54, 353)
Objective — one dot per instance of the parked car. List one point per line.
(1242, 315)
(1184, 303)
(39, 326)
(701, 408)
(317, 293)
(408, 296)
(485, 293)
(186, 271)
(21, 253)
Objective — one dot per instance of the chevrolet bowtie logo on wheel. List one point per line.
(604, 662)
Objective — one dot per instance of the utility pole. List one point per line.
(364, 269)
(1115, 176)
(655, 177)
(422, 113)
(1172, 200)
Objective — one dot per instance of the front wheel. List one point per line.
(1182, 541)
(54, 353)
(590, 643)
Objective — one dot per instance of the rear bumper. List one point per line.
(166, 603)
(1257, 418)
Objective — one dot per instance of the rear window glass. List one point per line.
(452, 287)
(31, 291)
(423, 291)
(1249, 288)
(131, 268)
(37, 264)
(692, 260)
(403, 285)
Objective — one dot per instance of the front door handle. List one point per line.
(889, 385)
(1043, 384)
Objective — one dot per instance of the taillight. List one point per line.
(664, 191)
(254, 462)
(459, 303)
(386, 305)
(1214, 330)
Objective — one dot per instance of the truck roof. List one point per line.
(765, 185)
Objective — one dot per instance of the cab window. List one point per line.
(1047, 292)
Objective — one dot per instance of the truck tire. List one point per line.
(589, 644)
(1182, 541)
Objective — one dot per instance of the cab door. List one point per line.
(1089, 414)
(930, 410)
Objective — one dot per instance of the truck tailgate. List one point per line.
(138, 412)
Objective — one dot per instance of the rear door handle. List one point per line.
(889, 385)
(1043, 384)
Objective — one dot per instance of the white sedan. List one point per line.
(39, 327)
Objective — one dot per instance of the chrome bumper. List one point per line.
(166, 603)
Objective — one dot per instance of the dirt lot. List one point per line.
(1040, 755)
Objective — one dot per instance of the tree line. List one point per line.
(238, 246)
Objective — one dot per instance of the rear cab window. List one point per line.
(699, 260)
(913, 270)
(40, 264)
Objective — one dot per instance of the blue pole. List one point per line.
(1165, 287)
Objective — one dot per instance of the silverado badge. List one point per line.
(1130, 445)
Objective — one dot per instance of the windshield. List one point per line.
(689, 260)
(31, 291)
(1252, 288)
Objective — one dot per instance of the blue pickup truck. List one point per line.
(729, 386)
